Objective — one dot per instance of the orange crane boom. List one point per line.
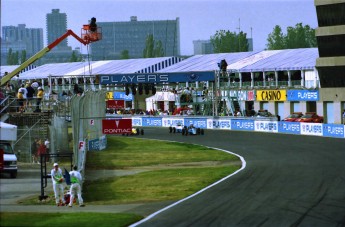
(88, 37)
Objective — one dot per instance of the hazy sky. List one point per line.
(199, 19)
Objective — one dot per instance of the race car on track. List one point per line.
(178, 128)
(135, 132)
(293, 117)
(190, 130)
(310, 117)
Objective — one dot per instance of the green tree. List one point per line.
(152, 48)
(9, 57)
(158, 51)
(276, 39)
(296, 37)
(228, 42)
(23, 56)
(75, 57)
(13, 58)
(149, 45)
(124, 54)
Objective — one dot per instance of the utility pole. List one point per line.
(239, 30)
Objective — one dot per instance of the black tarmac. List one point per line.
(289, 180)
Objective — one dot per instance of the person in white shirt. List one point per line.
(58, 179)
(47, 143)
(76, 180)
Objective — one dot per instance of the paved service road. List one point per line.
(289, 180)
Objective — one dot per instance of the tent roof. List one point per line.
(7, 68)
(208, 62)
(98, 67)
(278, 60)
(269, 60)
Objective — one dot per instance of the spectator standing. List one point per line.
(24, 91)
(344, 117)
(41, 149)
(47, 144)
(9, 89)
(57, 180)
(40, 94)
(76, 180)
(34, 150)
(30, 91)
(20, 100)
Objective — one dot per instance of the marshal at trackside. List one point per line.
(116, 126)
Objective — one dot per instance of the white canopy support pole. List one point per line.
(289, 78)
(84, 79)
(56, 85)
(264, 78)
(251, 79)
(69, 83)
(302, 78)
(240, 76)
(63, 83)
(276, 78)
(50, 84)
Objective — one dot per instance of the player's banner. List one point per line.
(116, 126)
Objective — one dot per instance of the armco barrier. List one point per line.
(242, 124)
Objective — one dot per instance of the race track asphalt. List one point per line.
(289, 180)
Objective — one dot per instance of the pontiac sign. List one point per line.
(116, 126)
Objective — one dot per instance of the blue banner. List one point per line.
(219, 124)
(247, 125)
(152, 121)
(266, 126)
(136, 121)
(122, 96)
(157, 77)
(302, 95)
(333, 130)
(289, 127)
(197, 122)
(98, 144)
(167, 122)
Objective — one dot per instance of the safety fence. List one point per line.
(257, 124)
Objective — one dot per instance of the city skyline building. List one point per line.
(131, 36)
(19, 38)
(202, 47)
(56, 24)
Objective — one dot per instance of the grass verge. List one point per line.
(176, 170)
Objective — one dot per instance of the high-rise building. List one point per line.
(330, 36)
(19, 39)
(56, 26)
(56, 23)
(131, 36)
(202, 47)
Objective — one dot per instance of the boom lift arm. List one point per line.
(88, 37)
